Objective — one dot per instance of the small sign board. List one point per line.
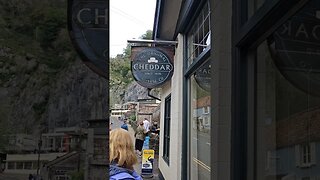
(88, 25)
(151, 67)
(147, 162)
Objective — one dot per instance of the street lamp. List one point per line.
(39, 149)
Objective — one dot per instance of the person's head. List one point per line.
(121, 148)
(141, 123)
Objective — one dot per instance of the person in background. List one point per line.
(146, 125)
(31, 177)
(122, 156)
(124, 125)
(155, 128)
(139, 134)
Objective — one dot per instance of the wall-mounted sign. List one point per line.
(151, 67)
(88, 22)
(203, 76)
(295, 48)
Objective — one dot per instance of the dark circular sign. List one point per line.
(295, 48)
(151, 68)
(88, 23)
(203, 76)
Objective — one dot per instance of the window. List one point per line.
(199, 38)
(305, 155)
(254, 6)
(275, 105)
(27, 165)
(199, 147)
(167, 119)
(198, 76)
(19, 165)
(62, 177)
(288, 98)
(11, 165)
(35, 164)
(206, 109)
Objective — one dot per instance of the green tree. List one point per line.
(120, 71)
(147, 35)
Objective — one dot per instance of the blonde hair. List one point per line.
(121, 148)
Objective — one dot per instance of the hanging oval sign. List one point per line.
(89, 33)
(151, 67)
(295, 48)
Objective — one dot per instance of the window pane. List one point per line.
(200, 124)
(288, 99)
(19, 165)
(28, 165)
(199, 35)
(167, 118)
(254, 5)
(11, 165)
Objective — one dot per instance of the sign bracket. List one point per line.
(154, 42)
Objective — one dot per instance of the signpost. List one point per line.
(147, 163)
(88, 24)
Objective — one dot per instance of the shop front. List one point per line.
(243, 102)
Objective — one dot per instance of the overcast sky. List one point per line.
(129, 19)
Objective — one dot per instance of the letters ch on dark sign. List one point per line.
(295, 48)
(151, 67)
(88, 28)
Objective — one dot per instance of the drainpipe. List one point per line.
(150, 95)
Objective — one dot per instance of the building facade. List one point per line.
(243, 102)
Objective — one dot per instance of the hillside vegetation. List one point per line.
(43, 83)
(123, 88)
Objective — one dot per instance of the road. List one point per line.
(115, 123)
(201, 151)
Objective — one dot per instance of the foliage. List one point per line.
(48, 23)
(4, 129)
(39, 108)
(34, 34)
(147, 35)
(120, 71)
(26, 24)
(132, 117)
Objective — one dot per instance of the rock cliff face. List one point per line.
(43, 83)
(34, 97)
(134, 92)
(79, 94)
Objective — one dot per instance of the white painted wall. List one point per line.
(173, 170)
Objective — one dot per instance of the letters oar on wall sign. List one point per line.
(88, 30)
(151, 67)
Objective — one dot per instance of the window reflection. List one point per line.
(201, 125)
(288, 123)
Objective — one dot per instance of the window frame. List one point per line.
(188, 70)
(247, 34)
(166, 135)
